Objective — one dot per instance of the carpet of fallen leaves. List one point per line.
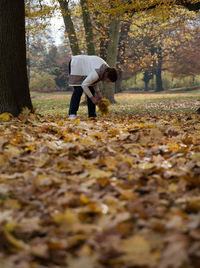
(112, 192)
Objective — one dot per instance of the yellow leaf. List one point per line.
(68, 218)
(137, 251)
(84, 199)
(172, 187)
(12, 204)
(5, 116)
(103, 182)
(114, 131)
(103, 106)
(18, 244)
(30, 148)
(10, 226)
(97, 173)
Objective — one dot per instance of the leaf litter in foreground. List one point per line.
(115, 192)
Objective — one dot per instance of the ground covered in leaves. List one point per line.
(120, 191)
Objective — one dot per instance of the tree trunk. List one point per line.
(14, 89)
(109, 88)
(147, 76)
(28, 58)
(146, 82)
(69, 27)
(159, 86)
(118, 84)
(121, 57)
(88, 28)
(27, 26)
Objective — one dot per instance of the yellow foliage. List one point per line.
(84, 199)
(17, 244)
(135, 247)
(114, 132)
(5, 116)
(67, 218)
(103, 106)
(10, 226)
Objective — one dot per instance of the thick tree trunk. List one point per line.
(14, 89)
(118, 84)
(159, 85)
(28, 60)
(88, 28)
(69, 27)
(109, 88)
(27, 26)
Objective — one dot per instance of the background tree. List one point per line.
(69, 26)
(38, 16)
(185, 60)
(152, 40)
(89, 36)
(49, 67)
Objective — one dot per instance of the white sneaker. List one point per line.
(72, 117)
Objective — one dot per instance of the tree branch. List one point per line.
(184, 3)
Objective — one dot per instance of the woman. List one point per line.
(85, 74)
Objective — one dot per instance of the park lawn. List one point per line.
(126, 103)
(117, 191)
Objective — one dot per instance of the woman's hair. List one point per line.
(111, 73)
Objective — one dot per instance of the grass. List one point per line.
(127, 103)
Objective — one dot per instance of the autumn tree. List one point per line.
(185, 60)
(89, 35)
(14, 89)
(122, 50)
(152, 39)
(116, 10)
(104, 19)
(111, 58)
(36, 23)
(69, 26)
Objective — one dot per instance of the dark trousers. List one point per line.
(75, 101)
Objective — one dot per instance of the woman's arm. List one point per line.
(89, 81)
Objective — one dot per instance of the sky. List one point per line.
(57, 26)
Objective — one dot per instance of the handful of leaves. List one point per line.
(103, 106)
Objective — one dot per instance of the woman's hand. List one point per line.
(99, 96)
(94, 100)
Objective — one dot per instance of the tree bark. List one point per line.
(28, 57)
(109, 88)
(88, 28)
(123, 39)
(118, 83)
(69, 27)
(14, 89)
(147, 76)
(27, 26)
(159, 85)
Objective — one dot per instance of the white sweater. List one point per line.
(87, 71)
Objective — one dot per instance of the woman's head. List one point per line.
(110, 75)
